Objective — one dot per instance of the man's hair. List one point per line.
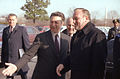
(11, 14)
(68, 19)
(60, 14)
(85, 12)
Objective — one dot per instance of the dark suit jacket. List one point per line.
(48, 58)
(116, 57)
(12, 42)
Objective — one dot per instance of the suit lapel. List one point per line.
(61, 42)
(14, 31)
(7, 32)
(50, 40)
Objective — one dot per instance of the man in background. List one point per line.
(115, 30)
(70, 27)
(69, 31)
(14, 39)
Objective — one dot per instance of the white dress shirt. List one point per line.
(58, 38)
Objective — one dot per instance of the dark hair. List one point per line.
(60, 14)
(116, 20)
(85, 11)
(11, 14)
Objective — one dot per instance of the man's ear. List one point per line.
(87, 18)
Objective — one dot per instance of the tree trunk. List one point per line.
(34, 21)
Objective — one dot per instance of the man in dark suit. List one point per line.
(88, 49)
(14, 38)
(50, 50)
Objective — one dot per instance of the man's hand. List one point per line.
(59, 68)
(11, 69)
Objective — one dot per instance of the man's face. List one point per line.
(70, 26)
(12, 20)
(117, 24)
(55, 24)
(79, 19)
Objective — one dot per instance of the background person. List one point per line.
(70, 27)
(14, 37)
(69, 31)
(115, 30)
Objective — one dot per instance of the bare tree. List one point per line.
(113, 14)
(94, 15)
(70, 11)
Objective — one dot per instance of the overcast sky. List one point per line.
(13, 6)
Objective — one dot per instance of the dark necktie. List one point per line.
(56, 43)
(11, 29)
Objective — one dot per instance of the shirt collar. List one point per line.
(12, 27)
(55, 34)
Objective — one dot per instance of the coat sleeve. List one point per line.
(31, 52)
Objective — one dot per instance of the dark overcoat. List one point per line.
(88, 53)
(12, 42)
